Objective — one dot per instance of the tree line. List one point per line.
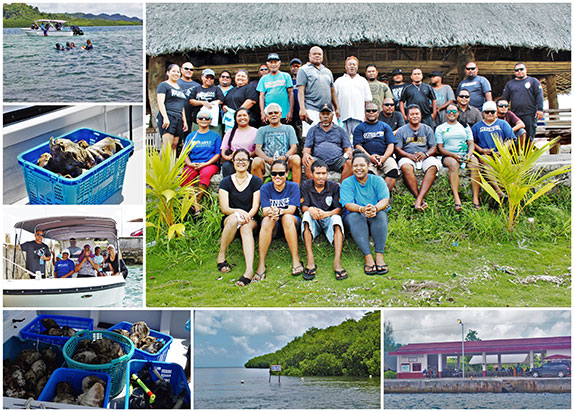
(352, 348)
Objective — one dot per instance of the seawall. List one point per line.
(132, 250)
(494, 385)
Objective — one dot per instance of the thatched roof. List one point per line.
(222, 27)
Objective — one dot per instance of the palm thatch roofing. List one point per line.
(225, 27)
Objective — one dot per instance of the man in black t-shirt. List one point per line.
(321, 213)
(421, 94)
(206, 96)
(37, 253)
(390, 116)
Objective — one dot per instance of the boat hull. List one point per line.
(40, 33)
(75, 292)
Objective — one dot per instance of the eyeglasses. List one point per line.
(489, 111)
(388, 104)
(241, 160)
(203, 118)
(519, 69)
(187, 68)
(278, 174)
(464, 96)
(371, 110)
(296, 65)
(451, 111)
(470, 68)
(502, 105)
(209, 76)
(272, 113)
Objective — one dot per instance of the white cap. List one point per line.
(66, 251)
(489, 106)
(111, 246)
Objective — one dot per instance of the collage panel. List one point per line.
(122, 359)
(457, 232)
(477, 359)
(287, 359)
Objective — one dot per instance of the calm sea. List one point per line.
(112, 72)
(134, 287)
(477, 401)
(221, 388)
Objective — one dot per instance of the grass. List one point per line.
(437, 258)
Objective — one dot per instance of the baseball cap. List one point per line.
(396, 71)
(273, 56)
(437, 73)
(86, 246)
(489, 106)
(208, 72)
(295, 60)
(66, 251)
(205, 112)
(326, 107)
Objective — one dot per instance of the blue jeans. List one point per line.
(361, 227)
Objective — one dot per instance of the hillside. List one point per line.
(352, 348)
(22, 15)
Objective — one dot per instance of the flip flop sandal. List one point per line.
(477, 206)
(244, 280)
(370, 270)
(223, 265)
(383, 269)
(309, 274)
(297, 270)
(457, 207)
(259, 276)
(341, 274)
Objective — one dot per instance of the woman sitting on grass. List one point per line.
(280, 200)
(456, 144)
(203, 158)
(241, 136)
(366, 197)
(239, 201)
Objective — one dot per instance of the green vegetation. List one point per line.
(390, 375)
(22, 15)
(352, 348)
(436, 258)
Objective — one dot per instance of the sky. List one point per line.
(109, 7)
(232, 337)
(420, 325)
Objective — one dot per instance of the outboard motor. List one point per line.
(77, 31)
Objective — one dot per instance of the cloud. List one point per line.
(243, 341)
(206, 323)
(205, 350)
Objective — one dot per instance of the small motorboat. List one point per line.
(51, 28)
(23, 288)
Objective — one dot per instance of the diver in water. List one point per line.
(68, 47)
(59, 47)
(72, 45)
(88, 45)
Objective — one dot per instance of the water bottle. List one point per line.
(276, 155)
(463, 165)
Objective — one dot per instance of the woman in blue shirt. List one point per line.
(366, 197)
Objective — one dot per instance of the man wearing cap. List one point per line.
(421, 94)
(65, 267)
(390, 116)
(329, 143)
(37, 253)
(276, 141)
(316, 88)
(416, 145)
(484, 133)
(207, 96)
(276, 87)
(467, 114)
(379, 90)
(377, 140)
(397, 86)
(525, 95)
(86, 267)
(518, 126)
(478, 86)
(353, 92)
(186, 83)
(444, 95)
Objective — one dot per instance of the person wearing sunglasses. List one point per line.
(203, 157)
(416, 147)
(225, 82)
(208, 97)
(390, 116)
(37, 253)
(241, 136)
(456, 145)
(187, 83)
(466, 113)
(478, 86)
(525, 95)
(171, 98)
(280, 200)
(518, 126)
(239, 196)
(276, 141)
(276, 87)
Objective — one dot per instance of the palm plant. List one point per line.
(513, 169)
(168, 201)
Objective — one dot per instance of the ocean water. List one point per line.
(477, 401)
(112, 72)
(134, 287)
(221, 388)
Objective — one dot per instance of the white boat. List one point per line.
(69, 292)
(52, 28)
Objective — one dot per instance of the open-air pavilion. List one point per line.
(415, 358)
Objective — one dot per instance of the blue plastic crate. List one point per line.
(171, 372)
(13, 346)
(90, 188)
(141, 354)
(34, 329)
(74, 377)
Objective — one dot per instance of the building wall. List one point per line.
(411, 366)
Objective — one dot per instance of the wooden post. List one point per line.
(156, 74)
(552, 104)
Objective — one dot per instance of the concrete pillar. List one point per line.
(439, 356)
(458, 362)
(484, 364)
(531, 359)
(499, 361)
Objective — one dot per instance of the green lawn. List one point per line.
(438, 258)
